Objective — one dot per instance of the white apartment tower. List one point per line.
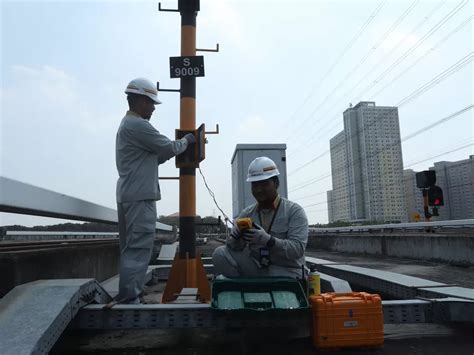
(413, 195)
(371, 177)
(338, 201)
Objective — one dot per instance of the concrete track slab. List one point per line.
(437, 292)
(112, 285)
(33, 315)
(438, 272)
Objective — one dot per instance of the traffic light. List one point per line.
(425, 179)
(435, 196)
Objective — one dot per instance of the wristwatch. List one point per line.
(271, 242)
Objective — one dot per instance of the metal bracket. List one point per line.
(208, 50)
(167, 90)
(166, 10)
(214, 132)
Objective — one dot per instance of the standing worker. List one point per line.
(139, 149)
(275, 243)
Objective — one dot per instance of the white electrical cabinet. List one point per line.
(243, 156)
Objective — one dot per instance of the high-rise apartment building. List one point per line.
(413, 196)
(338, 201)
(367, 175)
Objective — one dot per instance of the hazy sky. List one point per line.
(285, 73)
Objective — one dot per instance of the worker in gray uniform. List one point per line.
(275, 244)
(139, 150)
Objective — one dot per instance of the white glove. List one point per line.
(190, 138)
(256, 235)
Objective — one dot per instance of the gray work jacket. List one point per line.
(139, 149)
(290, 229)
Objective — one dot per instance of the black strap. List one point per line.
(273, 218)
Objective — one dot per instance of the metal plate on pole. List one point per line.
(186, 67)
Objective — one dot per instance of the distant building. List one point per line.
(243, 155)
(367, 174)
(413, 196)
(456, 179)
(338, 197)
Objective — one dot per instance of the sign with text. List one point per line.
(186, 67)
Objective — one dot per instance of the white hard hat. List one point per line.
(262, 168)
(145, 87)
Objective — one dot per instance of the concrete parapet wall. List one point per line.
(450, 249)
(93, 261)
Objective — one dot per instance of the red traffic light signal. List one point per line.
(435, 196)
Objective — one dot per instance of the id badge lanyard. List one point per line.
(273, 218)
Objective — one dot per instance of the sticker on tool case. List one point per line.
(351, 324)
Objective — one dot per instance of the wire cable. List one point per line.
(214, 197)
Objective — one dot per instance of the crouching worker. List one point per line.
(276, 241)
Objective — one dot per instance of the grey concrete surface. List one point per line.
(410, 339)
(450, 248)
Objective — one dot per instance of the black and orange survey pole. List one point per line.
(188, 270)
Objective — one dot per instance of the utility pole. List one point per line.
(188, 270)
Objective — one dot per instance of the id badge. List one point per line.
(264, 258)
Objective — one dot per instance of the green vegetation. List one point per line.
(203, 225)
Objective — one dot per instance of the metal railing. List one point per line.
(21, 198)
(461, 223)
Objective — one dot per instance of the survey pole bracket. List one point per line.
(208, 50)
(166, 10)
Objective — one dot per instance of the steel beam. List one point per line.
(153, 316)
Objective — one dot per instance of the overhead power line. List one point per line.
(440, 155)
(439, 78)
(429, 51)
(348, 46)
(362, 61)
(421, 90)
(370, 73)
(433, 82)
(386, 186)
(400, 59)
(396, 141)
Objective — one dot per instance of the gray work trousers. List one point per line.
(236, 263)
(137, 224)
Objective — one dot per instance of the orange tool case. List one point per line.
(342, 320)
